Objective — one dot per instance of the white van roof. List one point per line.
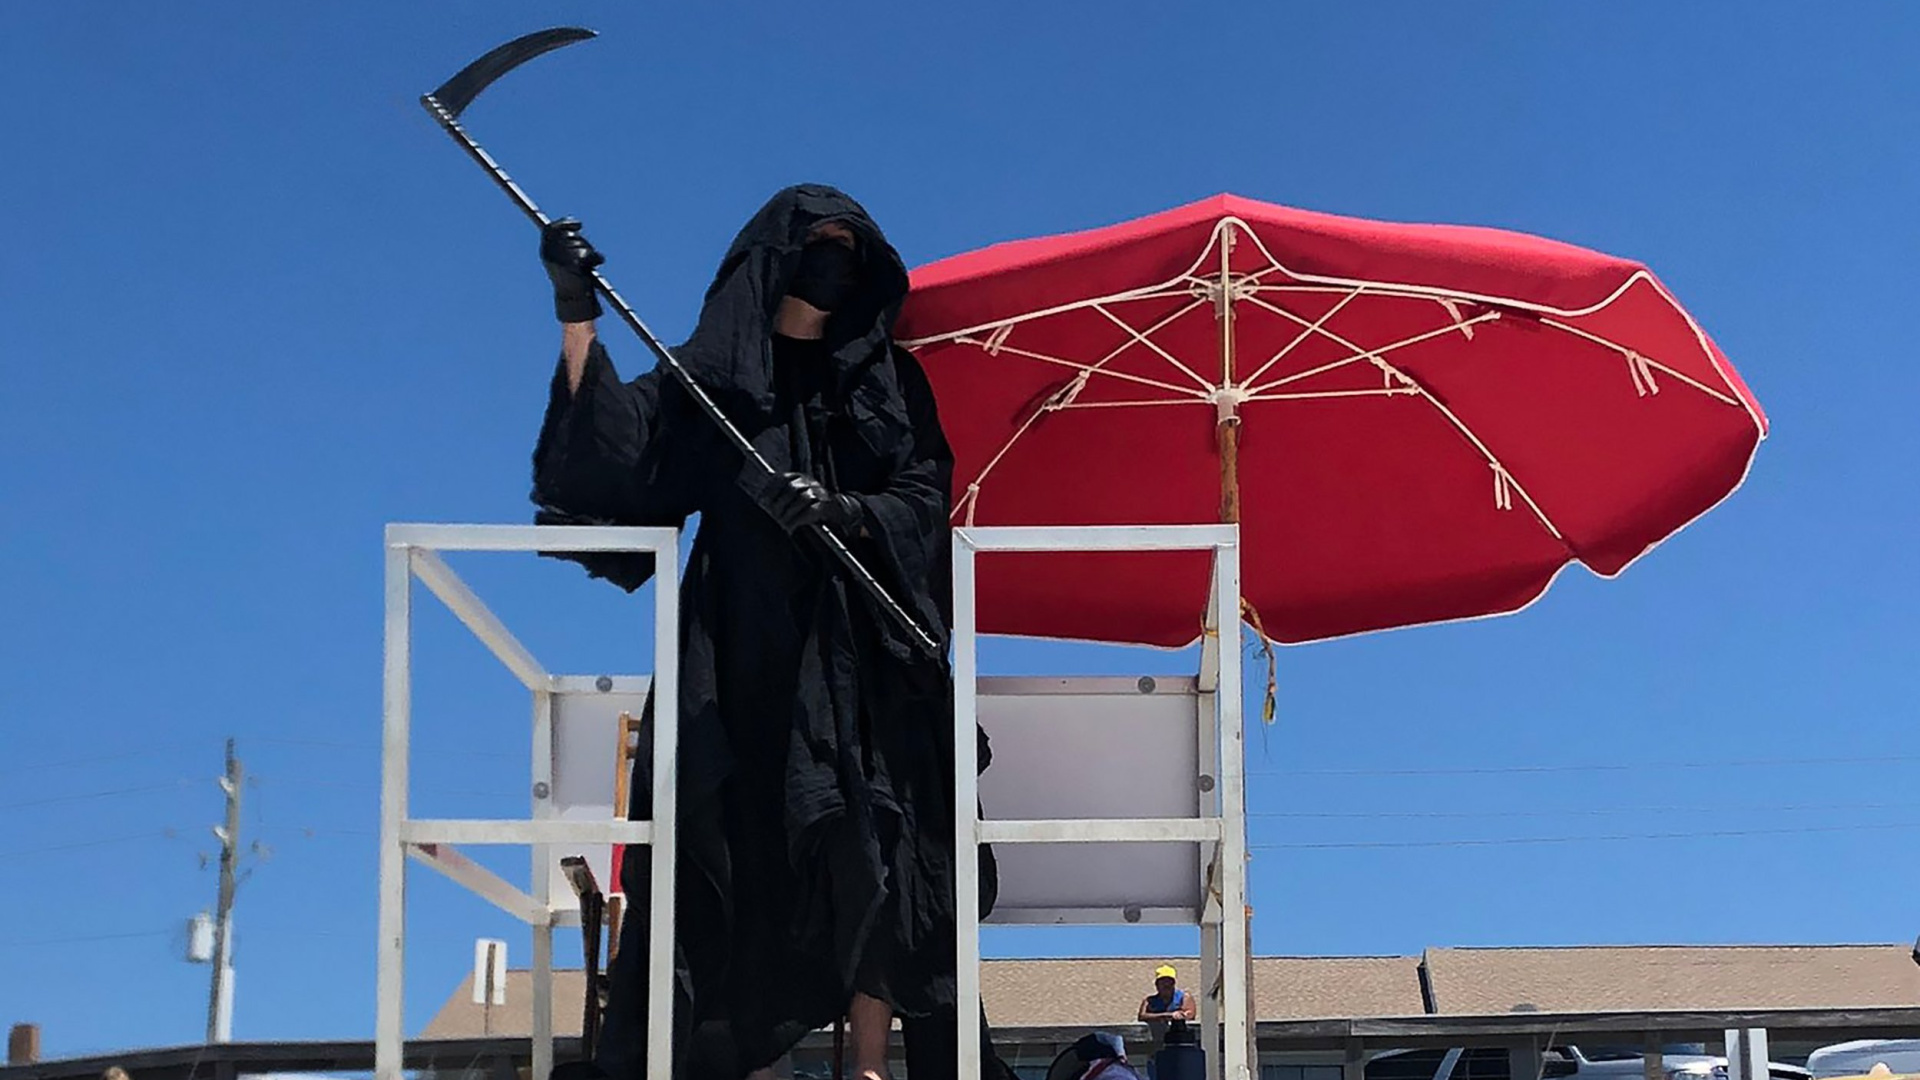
(1858, 1057)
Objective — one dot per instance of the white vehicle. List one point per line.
(1896, 1057)
(1684, 1061)
(1679, 1062)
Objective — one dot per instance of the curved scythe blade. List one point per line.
(457, 93)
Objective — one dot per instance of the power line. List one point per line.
(94, 759)
(1637, 766)
(1508, 841)
(417, 789)
(90, 795)
(164, 834)
(1358, 815)
(324, 744)
(310, 833)
(86, 939)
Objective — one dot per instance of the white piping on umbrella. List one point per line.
(1246, 287)
(1645, 366)
(1545, 588)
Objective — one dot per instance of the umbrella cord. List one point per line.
(1252, 615)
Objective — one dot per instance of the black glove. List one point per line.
(570, 260)
(798, 500)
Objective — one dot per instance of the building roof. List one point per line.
(1651, 977)
(460, 1018)
(1106, 992)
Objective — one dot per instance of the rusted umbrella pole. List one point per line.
(1227, 398)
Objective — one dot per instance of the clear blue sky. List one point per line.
(253, 305)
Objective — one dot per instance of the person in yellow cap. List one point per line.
(1167, 1006)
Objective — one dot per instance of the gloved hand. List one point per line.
(798, 500)
(570, 260)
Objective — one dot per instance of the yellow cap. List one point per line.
(1164, 971)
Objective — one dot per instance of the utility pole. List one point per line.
(220, 997)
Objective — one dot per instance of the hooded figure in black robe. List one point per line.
(815, 780)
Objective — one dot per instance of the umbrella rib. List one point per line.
(1304, 334)
(970, 502)
(1143, 339)
(1370, 355)
(1090, 369)
(1310, 395)
(1160, 290)
(1504, 480)
(1062, 401)
(1124, 404)
(1450, 303)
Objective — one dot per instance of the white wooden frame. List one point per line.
(412, 551)
(1223, 922)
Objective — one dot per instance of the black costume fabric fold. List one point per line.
(815, 775)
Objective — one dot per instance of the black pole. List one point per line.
(462, 88)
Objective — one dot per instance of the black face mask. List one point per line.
(827, 275)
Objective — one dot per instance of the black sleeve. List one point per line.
(610, 453)
(908, 521)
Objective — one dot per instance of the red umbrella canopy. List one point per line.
(1413, 423)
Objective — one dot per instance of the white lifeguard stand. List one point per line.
(1170, 849)
(1074, 848)
(575, 737)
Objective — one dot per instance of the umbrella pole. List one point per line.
(1227, 397)
(1229, 438)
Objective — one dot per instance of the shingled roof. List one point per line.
(1650, 977)
(1105, 992)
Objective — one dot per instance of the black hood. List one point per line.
(730, 352)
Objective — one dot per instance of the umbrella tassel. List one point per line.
(1642, 371)
(1502, 488)
(1252, 615)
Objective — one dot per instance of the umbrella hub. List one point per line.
(1237, 287)
(1226, 402)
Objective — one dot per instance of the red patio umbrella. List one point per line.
(1413, 423)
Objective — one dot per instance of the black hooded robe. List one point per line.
(815, 779)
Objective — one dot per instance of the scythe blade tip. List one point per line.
(457, 93)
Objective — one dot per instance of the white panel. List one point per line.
(584, 744)
(1092, 748)
(489, 971)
